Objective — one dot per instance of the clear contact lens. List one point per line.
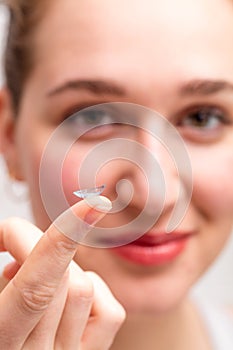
(90, 192)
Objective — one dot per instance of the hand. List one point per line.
(50, 302)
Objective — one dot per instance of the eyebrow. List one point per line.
(205, 87)
(98, 87)
(101, 87)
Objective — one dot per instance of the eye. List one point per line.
(207, 118)
(91, 118)
(93, 122)
(203, 122)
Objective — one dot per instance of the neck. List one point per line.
(177, 329)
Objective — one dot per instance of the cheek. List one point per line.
(30, 164)
(77, 167)
(212, 176)
(80, 170)
(30, 159)
(212, 203)
(70, 171)
(31, 138)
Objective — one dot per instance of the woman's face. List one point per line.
(173, 57)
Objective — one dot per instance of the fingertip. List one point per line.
(100, 203)
(78, 220)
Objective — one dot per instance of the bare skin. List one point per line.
(42, 300)
(159, 57)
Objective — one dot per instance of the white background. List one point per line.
(216, 284)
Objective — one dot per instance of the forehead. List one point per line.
(106, 36)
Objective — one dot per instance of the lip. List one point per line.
(154, 249)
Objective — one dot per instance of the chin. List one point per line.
(151, 301)
(144, 290)
(152, 294)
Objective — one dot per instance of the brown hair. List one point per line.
(24, 16)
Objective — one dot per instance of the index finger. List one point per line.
(26, 298)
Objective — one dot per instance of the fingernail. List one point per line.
(99, 202)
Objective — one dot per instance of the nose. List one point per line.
(156, 176)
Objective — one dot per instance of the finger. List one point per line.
(26, 298)
(44, 334)
(20, 245)
(107, 316)
(18, 237)
(10, 270)
(77, 309)
(76, 289)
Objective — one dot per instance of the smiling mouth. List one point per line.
(150, 239)
(144, 239)
(154, 249)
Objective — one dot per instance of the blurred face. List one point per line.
(173, 57)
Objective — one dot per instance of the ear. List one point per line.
(8, 146)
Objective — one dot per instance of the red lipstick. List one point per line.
(154, 249)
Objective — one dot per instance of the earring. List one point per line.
(16, 190)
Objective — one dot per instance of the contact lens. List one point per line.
(89, 192)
